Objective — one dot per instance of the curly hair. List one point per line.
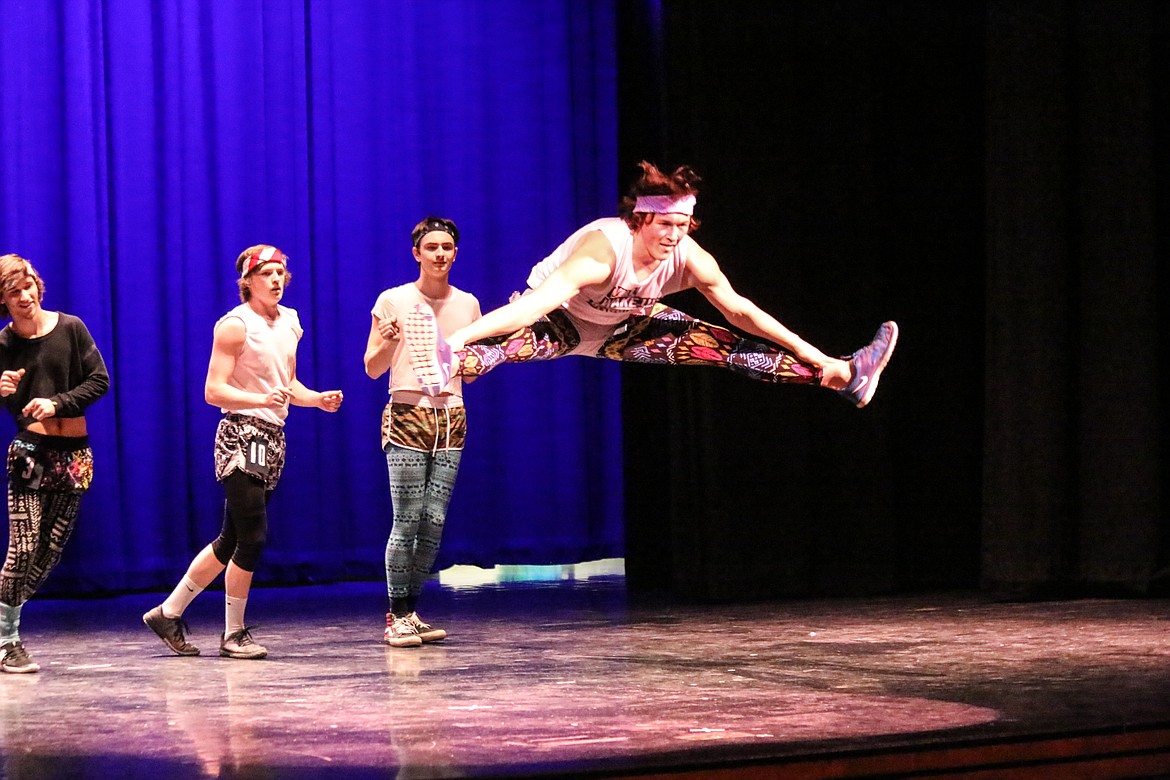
(14, 271)
(683, 181)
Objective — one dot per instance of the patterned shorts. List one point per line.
(57, 464)
(424, 429)
(251, 445)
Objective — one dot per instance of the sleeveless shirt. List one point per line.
(268, 359)
(622, 295)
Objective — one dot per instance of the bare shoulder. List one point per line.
(596, 246)
(691, 248)
(230, 332)
(592, 261)
(699, 261)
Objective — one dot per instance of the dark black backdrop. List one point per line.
(926, 162)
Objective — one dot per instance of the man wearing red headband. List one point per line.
(252, 377)
(599, 294)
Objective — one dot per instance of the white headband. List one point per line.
(665, 204)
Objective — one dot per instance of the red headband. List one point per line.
(268, 254)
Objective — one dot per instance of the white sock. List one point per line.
(180, 598)
(234, 614)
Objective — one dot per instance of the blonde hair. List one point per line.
(245, 290)
(14, 270)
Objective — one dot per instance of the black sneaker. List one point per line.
(426, 632)
(170, 630)
(239, 644)
(15, 659)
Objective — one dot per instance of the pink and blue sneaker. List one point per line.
(868, 364)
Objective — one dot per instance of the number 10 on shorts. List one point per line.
(258, 455)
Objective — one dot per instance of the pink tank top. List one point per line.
(622, 295)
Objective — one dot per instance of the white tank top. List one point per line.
(268, 359)
(622, 295)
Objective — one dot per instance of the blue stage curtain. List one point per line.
(145, 143)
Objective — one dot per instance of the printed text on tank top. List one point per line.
(629, 298)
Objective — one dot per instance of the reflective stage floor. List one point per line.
(574, 679)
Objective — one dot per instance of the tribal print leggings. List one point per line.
(665, 336)
(47, 476)
(39, 525)
(421, 484)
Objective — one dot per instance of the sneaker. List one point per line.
(239, 644)
(170, 630)
(430, 357)
(426, 632)
(868, 363)
(400, 632)
(15, 659)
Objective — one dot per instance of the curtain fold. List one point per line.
(143, 145)
(1075, 410)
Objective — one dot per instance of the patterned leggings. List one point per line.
(665, 336)
(47, 476)
(420, 490)
(39, 525)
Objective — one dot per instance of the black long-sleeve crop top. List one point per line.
(64, 366)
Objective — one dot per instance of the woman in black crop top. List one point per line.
(50, 373)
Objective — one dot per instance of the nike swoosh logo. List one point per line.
(861, 384)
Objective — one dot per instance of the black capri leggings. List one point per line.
(245, 521)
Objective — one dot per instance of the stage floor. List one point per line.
(573, 678)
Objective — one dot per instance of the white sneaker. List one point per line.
(239, 644)
(400, 632)
(14, 659)
(426, 632)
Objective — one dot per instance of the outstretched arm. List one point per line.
(706, 276)
(590, 263)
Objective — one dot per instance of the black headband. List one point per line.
(441, 225)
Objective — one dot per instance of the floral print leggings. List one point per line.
(665, 336)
